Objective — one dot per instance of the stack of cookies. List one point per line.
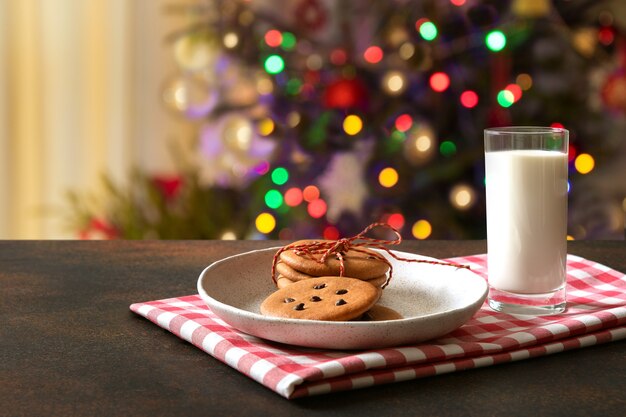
(312, 290)
(363, 264)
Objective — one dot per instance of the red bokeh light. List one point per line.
(404, 122)
(516, 90)
(310, 193)
(396, 220)
(273, 38)
(316, 208)
(293, 197)
(331, 233)
(373, 54)
(439, 81)
(469, 99)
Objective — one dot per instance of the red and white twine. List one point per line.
(320, 251)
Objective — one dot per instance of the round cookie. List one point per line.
(380, 313)
(282, 282)
(378, 281)
(322, 298)
(357, 264)
(290, 273)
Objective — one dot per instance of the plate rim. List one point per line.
(306, 322)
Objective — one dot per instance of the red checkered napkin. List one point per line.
(596, 314)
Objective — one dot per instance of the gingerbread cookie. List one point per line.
(291, 275)
(361, 264)
(322, 298)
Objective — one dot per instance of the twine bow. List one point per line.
(320, 251)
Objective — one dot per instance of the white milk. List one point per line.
(526, 220)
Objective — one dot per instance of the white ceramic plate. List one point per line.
(433, 299)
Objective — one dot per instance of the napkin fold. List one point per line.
(596, 314)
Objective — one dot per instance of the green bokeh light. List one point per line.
(447, 148)
(274, 64)
(289, 41)
(280, 176)
(273, 199)
(495, 40)
(505, 98)
(293, 86)
(428, 30)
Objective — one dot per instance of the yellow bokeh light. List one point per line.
(421, 229)
(352, 124)
(394, 82)
(231, 40)
(266, 127)
(462, 196)
(265, 223)
(584, 163)
(423, 143)
(388, 177)
(228, 235)
(570, 237)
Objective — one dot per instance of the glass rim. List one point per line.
(525, 130)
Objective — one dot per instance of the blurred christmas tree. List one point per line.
(316, 118)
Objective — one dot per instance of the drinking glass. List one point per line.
(526, 183)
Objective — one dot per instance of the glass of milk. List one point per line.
(526, 181)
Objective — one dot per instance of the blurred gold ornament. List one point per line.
(196, 51)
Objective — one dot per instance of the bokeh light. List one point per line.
(584, 163)
(394, 82)
(293, 197)
(505, 98)
(288, 42)
(428, 30)
(266, 127)
(265, 223)
(274, 64)
(280, 176)
(516, 90)
(462, 196)
(317, 208)
(273, 38)
(310, 193)
(404, 122)
(230, 40)
(331, 233)
(373, 54)
(447, 148)
(421, 229)
(458, 3)
(495, 41)
(388, 177)
(396, 220)
(352, 124)
(469, 99)
(524, 80)
(273, 199)
(439, 81)
(228, 235)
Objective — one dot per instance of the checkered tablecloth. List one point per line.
(596, 314)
